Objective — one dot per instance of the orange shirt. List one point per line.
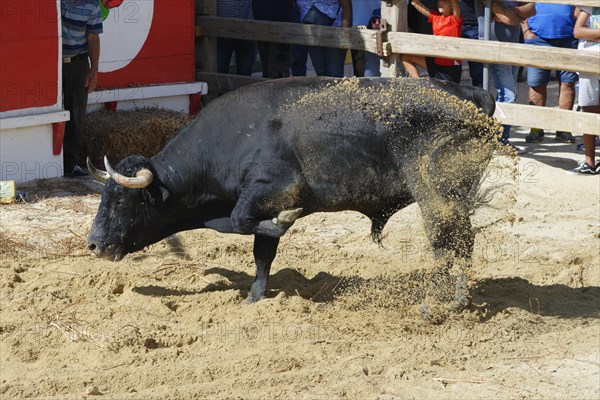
(446, 26)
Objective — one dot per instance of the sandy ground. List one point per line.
(341, 320)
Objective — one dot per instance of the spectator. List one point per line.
(299, 51)
(327, 61)
(275, 58)
(587, 30)
(81, 27)
(505, 27)
(551, 26)
(372, 66)
(447, 21)
(470, 30)
(243, 49)
(366, 14)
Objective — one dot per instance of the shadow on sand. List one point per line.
(495, 295)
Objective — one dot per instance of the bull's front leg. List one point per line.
(452, 239)
(265, 249)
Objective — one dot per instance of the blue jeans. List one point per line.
(505, 80)
(244, 55)
(539, 77)
(299, 58)
(475, 68)
(328, 61)
(372, 65)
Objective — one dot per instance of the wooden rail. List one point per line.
(548, 118)
(426, 45)
(576, 3)
(404, 43)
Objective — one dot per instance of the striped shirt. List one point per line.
(79, 19)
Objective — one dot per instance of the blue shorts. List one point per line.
(538, 76)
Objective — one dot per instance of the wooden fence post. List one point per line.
(206, 46)
(394, 12)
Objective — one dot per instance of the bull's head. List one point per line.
(129, 215)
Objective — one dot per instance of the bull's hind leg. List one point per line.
(265, 249)
(452, 238)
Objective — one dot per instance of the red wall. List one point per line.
(167, 55)
(28, 54)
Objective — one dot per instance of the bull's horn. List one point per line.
(142, 179)
(102, 176)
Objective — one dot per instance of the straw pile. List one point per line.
(119, 134)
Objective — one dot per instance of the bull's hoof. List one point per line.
(287, 217)
(252, 299)
(268, 228)
(447, 295)
(437, 313)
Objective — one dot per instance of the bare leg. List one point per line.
(410, 62)
(538, 95)
(566, 97)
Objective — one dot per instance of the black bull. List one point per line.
(300, 146)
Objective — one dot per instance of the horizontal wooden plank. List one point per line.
(405, 43)
(548, 118)
(32, 119)
(146, 92)
(577, 3)
(496, 52)
(285, 32)
(223, 83)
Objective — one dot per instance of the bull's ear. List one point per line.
(156, 195)
(164, 193)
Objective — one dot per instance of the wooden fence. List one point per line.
(209, 26)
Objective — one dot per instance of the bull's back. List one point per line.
(349, 141)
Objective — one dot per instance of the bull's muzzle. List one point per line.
(94, 248)
(111, 252)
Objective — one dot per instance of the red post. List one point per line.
(58, 134)
(195, 104)
(111, 105)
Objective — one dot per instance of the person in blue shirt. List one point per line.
(327, 61)
(507, 15)
(551, 26)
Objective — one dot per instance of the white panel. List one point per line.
(26, 154)
(175, 103)
(125, 31)
(147, 92)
